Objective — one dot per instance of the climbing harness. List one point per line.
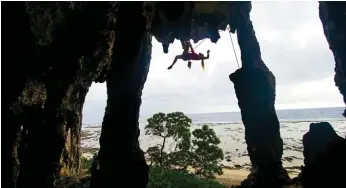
(235, 53)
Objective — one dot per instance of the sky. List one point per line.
(293, 47)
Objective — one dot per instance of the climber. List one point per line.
(187, 56)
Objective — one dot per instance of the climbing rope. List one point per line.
(236, 57)
(235, 53)
(198, 44)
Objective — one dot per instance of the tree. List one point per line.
(202, 153)
(174, 125)
(207, 156)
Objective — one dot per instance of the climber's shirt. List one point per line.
(191, 56)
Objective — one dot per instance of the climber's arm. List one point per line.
(207, 57)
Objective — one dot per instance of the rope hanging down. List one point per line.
(235, 53)
(236, 57)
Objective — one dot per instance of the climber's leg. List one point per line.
(175, 61)
(202, 63)
(189, 64)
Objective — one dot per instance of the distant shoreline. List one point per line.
(232, 142)
(225, 123)
(238, 111)
(284, 115)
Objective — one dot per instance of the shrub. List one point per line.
(86, 163)
(166, 178)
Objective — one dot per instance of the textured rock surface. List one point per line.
(333, 16)
(60, 48)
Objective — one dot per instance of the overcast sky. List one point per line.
(293, 46)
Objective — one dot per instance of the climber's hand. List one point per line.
(208, 51)
(170, 67)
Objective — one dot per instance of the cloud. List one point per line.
(292, 44)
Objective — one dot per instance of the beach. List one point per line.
(236, 160)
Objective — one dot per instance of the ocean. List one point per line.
(312, 114)
(229, 128)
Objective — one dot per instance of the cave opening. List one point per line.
(75, 46)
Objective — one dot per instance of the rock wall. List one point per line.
(333, 16)
(55, 51)
(119, 154)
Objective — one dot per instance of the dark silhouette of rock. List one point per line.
(189, 20)
(333, 16)
(324, 157)
(55, 50)
(254, 85)
(58, 48)
(120, 155)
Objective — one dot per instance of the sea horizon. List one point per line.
(284, 115)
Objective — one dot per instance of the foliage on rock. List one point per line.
(199, 152)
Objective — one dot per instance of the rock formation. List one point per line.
(333, 16)
(55, 50)
(189, 21)
(255, 89)
(119, 150)
(324, 157)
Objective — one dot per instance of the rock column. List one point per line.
(121, 161)
(69, 58)
(255, 89)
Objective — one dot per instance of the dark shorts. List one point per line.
(191, 56)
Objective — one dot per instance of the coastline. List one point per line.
(236, 161)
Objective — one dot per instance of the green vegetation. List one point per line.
(183, 159)
(198, 150)
(167, 178)
(86, 164)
